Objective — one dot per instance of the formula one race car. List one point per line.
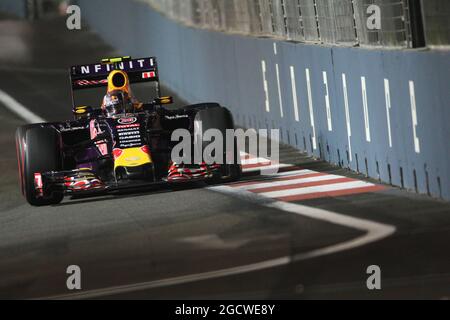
(124, 144)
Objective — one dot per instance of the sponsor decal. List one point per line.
(72, 129)
(83, 83)
(127, 66)
(178, 116)
(128, 126)
(133, 159)
(148, 75)
(128, 133)
(127, 120)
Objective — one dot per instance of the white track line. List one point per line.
(20, 110)
(91, 294)
(373, 232)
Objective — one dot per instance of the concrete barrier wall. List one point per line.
(14, 7)
(401, 135)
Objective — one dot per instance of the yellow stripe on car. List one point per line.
(133, 157)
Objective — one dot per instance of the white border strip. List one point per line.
(387, 92)
(327, 101)
(294, 94)
(280, 98)
(311, 108)
(340, 186)
(366, 109)
(282, 183)
(265, 85)
(17, 108)
(347, 116)
(415, 122)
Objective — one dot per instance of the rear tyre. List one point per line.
(41, 154)
(220, 118)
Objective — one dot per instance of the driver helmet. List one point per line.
(119, 97)
(116, 103)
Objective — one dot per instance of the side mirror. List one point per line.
(82, 112)
(163, 100)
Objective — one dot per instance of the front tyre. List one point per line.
(41, 152)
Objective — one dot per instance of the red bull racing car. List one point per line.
(109, 148)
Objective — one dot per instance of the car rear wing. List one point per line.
(96, 75)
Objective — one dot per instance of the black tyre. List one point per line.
(216, 117)
(41, 154)
(20, 143)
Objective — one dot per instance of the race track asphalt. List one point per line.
(199, 242)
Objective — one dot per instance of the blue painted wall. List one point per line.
(15, 7)
(209, 66)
